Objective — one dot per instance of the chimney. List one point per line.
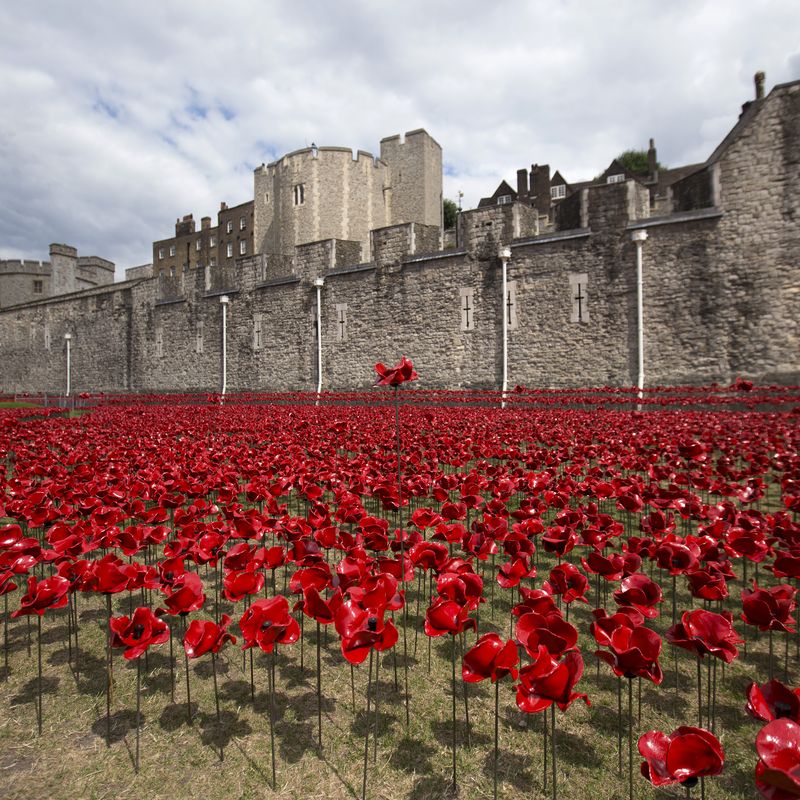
(205, 223)
(652, 161)
(522, 183)
(223, 206)
(759, 79)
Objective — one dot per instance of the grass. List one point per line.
(179, 759)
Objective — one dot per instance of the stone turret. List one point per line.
(64, 264)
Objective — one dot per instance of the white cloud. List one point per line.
(118, 118)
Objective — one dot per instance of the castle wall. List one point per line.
(720, 294)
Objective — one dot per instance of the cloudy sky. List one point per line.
(117, 117)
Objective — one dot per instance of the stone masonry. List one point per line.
(720, 274)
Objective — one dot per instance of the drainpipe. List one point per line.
(504, 253)
(639, 237)
(68, 340)
(224, 300)
(319, 283)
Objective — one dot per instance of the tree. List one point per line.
(450, 212)
(635, 161)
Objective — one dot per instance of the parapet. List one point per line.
(63, 250)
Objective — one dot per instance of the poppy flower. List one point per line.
(536, 600)
(490, 657)
(394, 376)
(206, 636)
(769, 609)
(138, 632)
(681, 757)
(549, 630)
(604, 625)
(639, 591)
(48, 593)
(634, 653)
(378, 592)
(446, 616)
(778, 767)
(611, 567)
(513, 571)
(708, 584)
(773, 700)
(362, 630)
(703, 632)
(186, 594)
(548, 680)
(239, 584)
(568, 581)
(464, 588)
(319, 609)
(268, 622)
(107, 575)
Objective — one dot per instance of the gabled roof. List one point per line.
(503, 190)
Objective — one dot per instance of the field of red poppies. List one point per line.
(398, 593)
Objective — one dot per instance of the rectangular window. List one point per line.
(511, 305)
(197, 245)
(558, 192)
(159, 342)
(257, 342)
(212, 262)
(579, 297)
(467, 303)
(161, 253)
(38, 287)
(341, 322)
(198, 332)
(299, 194)
(618, 178)
(229, 249)
(229, 226)
(242, 223)
(172, 272)
(172, 249)
(243, 247)
(46, 336)
(504, 200)
(212, 242)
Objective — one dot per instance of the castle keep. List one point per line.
(719, 266)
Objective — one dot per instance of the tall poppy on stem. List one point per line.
(268, 623)
(491, 658)
(778, 767)
(209, 637)
(41, 595)
(448, 617)
(402, 373)
(548, 682)
(136, 634)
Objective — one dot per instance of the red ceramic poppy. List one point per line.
(568, 581)
(681, 757)
(107, 575)
(394, 376)
(446, 616)
(708, 584)
(778, 767)
(268, 622)
(769, 609)
(464, 588)
(362, 630)
(138, 632)
(547, 681)
(206, 636)
(48, 593)
(490, 657)
(318, 608)
(773, 700)
(704, 632)
(239, 584)
(186, 594)
(639, 591)
(551, 631)
(634, 653)
(603, 625)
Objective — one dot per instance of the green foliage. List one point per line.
(450, 210)
(635, 161)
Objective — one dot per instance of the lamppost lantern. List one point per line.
(504, 253)
(639, 236)
(224, 299)
(319, 282)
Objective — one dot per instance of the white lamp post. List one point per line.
(224, 300)
(68, 340)
(639, 237)
(319, 283)
(504, 254)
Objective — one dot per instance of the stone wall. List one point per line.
(720, 297)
